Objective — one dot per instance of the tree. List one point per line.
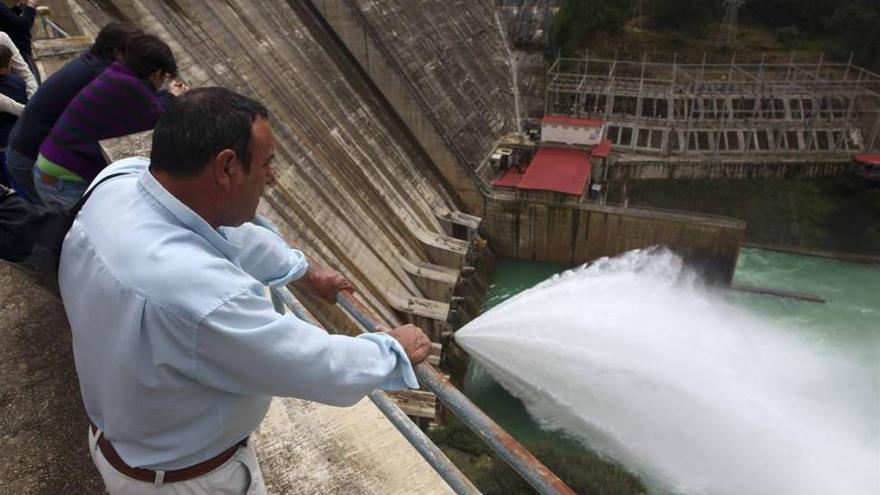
(856, 27)
(578, 21)
(808, 15)
(686, 15)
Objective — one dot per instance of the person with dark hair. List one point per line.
(46, 105)
(177, 348)
(122, 100)
(17, 22)
(146, 55)
(13, 87)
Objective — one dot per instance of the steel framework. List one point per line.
(722, 108)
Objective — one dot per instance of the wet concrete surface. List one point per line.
(43, 446)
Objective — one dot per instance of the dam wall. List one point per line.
(441, 66)
(543, 230)
(713, 168)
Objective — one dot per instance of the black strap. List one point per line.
(82, 201)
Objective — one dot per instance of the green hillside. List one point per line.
(693, 27)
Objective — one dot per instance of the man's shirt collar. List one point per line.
(186, 216)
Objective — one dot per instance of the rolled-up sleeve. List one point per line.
(245, 347)
(265, 256)
(10, 106)
(19, 66)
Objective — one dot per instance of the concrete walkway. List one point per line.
(43, 448)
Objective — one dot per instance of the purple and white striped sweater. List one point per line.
(114, 104)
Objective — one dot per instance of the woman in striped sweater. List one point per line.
(123, 100)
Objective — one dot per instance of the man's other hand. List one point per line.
(324, 283)
(413, 340)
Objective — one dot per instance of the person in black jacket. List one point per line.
(17, 23)
(49, 102)
(12, 86)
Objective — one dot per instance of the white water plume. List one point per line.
(634, 357)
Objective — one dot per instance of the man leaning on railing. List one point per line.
(177, 349)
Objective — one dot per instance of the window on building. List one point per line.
(822, 140)
(703, 141)
(763, 140)
(791, 141)
(626, 135)
(656, 139)
(614, 134)
(642, 141)
(733, 141)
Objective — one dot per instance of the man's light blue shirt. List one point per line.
(177, 348)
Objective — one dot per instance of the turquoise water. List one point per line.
(848, 321)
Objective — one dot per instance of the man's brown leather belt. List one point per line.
(148, 475)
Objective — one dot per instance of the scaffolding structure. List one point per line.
(730, 108)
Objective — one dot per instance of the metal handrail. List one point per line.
(416, 437)
(539, 476)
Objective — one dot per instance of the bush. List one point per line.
(789, 35)
(857, 29)
(579, 21)
(691, 16)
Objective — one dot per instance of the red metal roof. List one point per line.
(511, 178)
(869, 159)
(562, 119)
(601, 150)
(557, 169)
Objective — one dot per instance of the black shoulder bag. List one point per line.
(31, 236)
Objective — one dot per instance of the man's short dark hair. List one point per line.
(114, 36)
(200, 124)
(5, 56)
(146, 53)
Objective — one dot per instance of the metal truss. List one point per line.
(722, 108)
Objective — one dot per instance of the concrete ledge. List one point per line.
(309, 448)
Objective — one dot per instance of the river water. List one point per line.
(695, 391)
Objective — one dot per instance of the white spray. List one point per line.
(639, 361)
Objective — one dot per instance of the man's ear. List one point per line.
(222, 168)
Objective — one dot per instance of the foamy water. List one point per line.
(639, 361)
